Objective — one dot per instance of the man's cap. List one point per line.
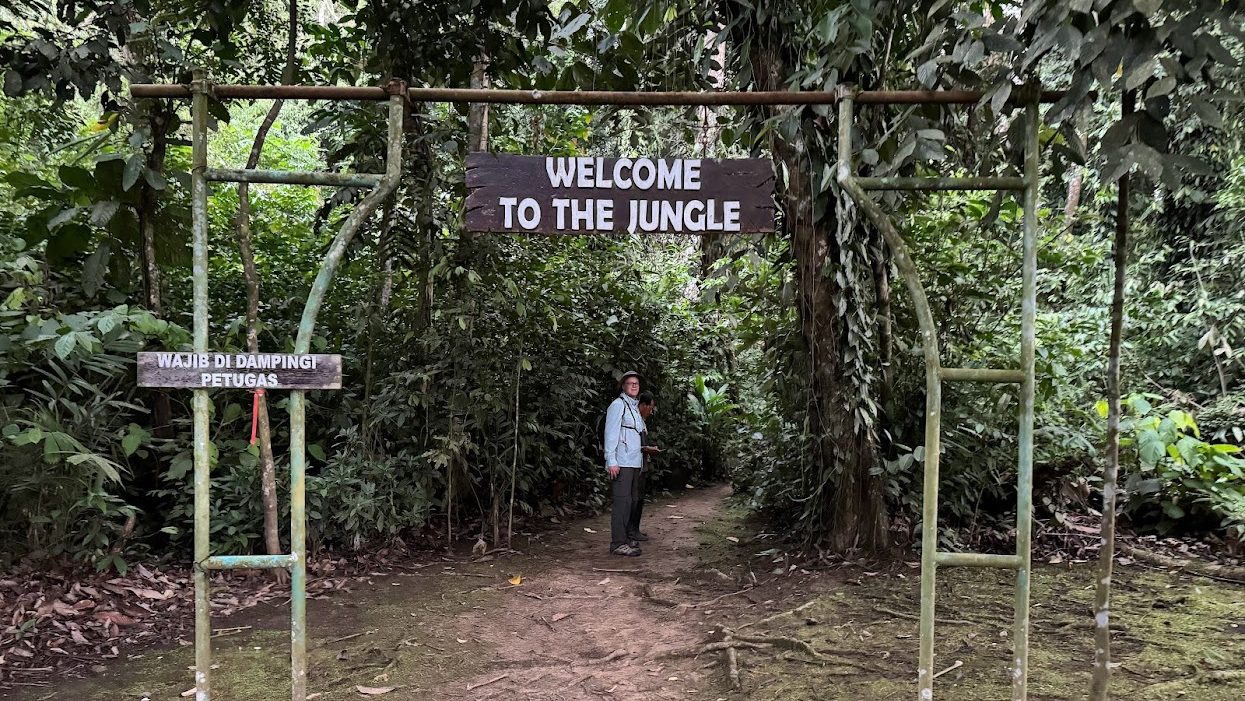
(625, 375)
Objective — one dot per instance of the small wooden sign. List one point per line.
(588, 194)
(240, 370)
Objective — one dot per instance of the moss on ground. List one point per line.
(403, 643)
(1176, 630)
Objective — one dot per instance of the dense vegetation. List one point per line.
(478, 367)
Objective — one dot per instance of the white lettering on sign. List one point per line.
(646, 215)
(644, 173)
(239, 370)
(694, 216)
(584, 194)
(249, 380)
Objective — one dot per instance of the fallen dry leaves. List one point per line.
(66, 621)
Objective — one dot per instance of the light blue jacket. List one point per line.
(623, 425)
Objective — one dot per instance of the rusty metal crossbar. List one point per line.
(589, 97)
(983, 183)
(200, 90)
(931, 559)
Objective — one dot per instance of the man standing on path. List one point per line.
(624, 431)
(646, 405)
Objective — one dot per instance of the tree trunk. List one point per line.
(844, 451)
(712, 245)
(1106, 554)
(477, 112)
(161, 410)
(268, 469)
(377, 314)
(886, 391)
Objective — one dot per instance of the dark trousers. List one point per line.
(637, 509)
(626, 494)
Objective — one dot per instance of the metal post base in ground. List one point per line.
(296, 560)
(856, 190)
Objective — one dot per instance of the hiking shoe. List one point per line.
(626, 550)
(640, 536)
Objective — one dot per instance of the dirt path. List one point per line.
(580, 626)
(577, 627)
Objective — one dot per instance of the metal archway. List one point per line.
(397, 94)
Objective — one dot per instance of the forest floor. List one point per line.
(585, 625)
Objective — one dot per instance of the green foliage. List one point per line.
(1180, 481)
(69, 438)
(467, 357)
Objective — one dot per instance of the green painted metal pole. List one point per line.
(288, 177)
(298, 411)
(1028, 343)
(248, 562)
(202, 451)
(298, 546)
(982, 375)
(1007, 562)
(933, 391)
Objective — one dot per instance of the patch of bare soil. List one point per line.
(580, 623)
(712, 610)
(592, 624)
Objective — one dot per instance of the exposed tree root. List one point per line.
(1205, 569)
(1216, 675)
(650, 595)
(792, 612)
(915, 617)
(608, 658)
(780, 641)
(709, 647)
(732, 666)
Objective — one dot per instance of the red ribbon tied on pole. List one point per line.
(256, 394)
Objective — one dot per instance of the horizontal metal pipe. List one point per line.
(981, 183)
(289, 177)
(582, 97)
(982, 375)
(248, 562)
(1007, 562)
(946, 97)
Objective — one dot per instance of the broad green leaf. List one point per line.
(15, 299)
(1207, 112)
(154, 179)
(75, 177)
(130, 442)
(63, 216)
(315, 451)
(13, 83)
(133, 171)
(103, 212)
(1161, 87)
(65, 345)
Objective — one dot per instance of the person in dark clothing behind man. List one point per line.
(646, 405)
(624, 431)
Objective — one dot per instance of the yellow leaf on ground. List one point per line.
(516, 580)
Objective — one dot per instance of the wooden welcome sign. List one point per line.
(588, 194)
